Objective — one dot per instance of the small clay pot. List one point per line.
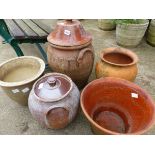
(117, 106)
(54, 100)
(117, 62)
(17, 76)
(70, 51)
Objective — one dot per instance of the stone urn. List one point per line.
(117, 62)
(70, 51)
(54, 100)
(106, 24)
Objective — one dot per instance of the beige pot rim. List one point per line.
(122, 51)
(14, 84)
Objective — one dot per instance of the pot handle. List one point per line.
(62, 123)
(82, 52)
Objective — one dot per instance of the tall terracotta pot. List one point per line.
(70, 51)
(117, 62)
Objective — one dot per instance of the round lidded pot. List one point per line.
(54, 100)
(70, 51)
(117, 62)
(17, 76)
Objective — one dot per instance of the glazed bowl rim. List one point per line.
(122, 51)
(58, 99)
(127, 83)
(23, 82)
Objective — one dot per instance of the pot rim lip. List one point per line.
(123, 81)
(146, 22)
(57, 99)
(23, 82)
(70, 47)
(122, 51)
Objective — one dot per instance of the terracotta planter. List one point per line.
(106, 24)
(116, 106)
(70, 51)
(151, 33)
(130, 35)
(17, 76)
(54, 100)
(117, 62)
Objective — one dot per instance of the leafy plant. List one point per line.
(129, 21)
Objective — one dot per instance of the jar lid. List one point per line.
(69, 33)
(52, 87)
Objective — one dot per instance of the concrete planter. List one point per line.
(106, 24)
(130, 35)
(17, 76)
(54, 100)
(151, 33)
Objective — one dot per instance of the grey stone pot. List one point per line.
(130, 35)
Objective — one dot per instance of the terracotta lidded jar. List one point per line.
(54, 100)
(70, 51)
(117, 62)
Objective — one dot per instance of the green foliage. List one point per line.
(129, 21)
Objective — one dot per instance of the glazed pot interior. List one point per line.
(119, 56)
(18, 70)
(117, 106)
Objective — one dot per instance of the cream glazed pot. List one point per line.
(54, 100)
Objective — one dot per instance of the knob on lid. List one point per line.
(52, 87)
(69, 33)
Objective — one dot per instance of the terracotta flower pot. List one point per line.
(70, 51)
(116, 106)
(117, 62)
(54, 100)
(17, 76)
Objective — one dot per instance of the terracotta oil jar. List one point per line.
(17, 76)
(70, 51)
(116, 106)
(54, 100)
(117, 62)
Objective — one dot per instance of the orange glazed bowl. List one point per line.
(117, 106)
